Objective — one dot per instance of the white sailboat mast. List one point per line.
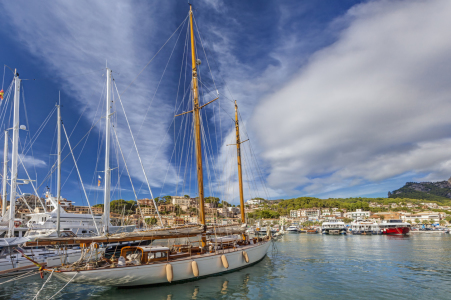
(5, 173)
(15, 153)
(58, 172)
(106, 199)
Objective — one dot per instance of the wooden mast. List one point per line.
(196, 113)
(238, 158)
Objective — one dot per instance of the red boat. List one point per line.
(394, 227)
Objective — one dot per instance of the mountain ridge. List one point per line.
(434, 191)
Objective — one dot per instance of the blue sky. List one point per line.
(338, 98)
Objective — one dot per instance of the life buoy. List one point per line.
(17, 223)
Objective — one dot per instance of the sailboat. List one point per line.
(220, 249)
(9, 215)
(49, 224)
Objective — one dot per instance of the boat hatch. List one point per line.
(145, 254)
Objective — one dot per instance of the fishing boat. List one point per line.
(214, 250)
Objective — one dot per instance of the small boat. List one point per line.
(313, 230)
(292, 229)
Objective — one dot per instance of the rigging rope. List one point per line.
(139, 156)
(79, 175)
(131, 182)
(64, 286)
(36, 297)
(154, 56)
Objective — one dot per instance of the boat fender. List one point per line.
(121, 261)
(195, 268)
(246, 258)
(225, 263)
(169, 274)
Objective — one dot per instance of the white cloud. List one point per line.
(73, 38)
(371, 106)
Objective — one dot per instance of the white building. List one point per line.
(295, 213)
(422, 216)
(180, 200)
(254, 202)
(358, 214)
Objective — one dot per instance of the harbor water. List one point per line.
(299, 266)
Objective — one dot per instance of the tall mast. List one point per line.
(106, 199)
(58, 182)
(238, 158)
(15, 151)
(5, 173)
(196, 111)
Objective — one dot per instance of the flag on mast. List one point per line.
(98, 184)
(1, 94)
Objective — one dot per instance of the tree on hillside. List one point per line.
(151, 221)
(347, 220)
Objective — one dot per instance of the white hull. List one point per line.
(17, 263)
(155, 273)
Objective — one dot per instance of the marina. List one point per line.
(225, 150)
(403, 265)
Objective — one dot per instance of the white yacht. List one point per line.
(292, 228)
(365, 227)
(44, 224)
(333, 227)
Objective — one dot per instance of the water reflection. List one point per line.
(306, 267)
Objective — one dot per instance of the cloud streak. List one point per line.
(371, 106)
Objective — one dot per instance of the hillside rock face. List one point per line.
(424, 190)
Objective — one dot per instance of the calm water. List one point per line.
(304, 267)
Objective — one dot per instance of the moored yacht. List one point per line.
(394, 227)
(293, 229)
(45, 224)
(364, 227)
(333, 227)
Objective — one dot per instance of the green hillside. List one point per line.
(432, 191)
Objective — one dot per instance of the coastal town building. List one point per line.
(357, 214)
(146, 210)
(146, 202)
(254, 202)
(423, 216)
(180, 200)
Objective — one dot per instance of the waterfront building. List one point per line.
(390, 215)
(423, 216)
(358, 214)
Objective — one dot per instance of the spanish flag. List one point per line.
(1, 94)
(98, 183)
